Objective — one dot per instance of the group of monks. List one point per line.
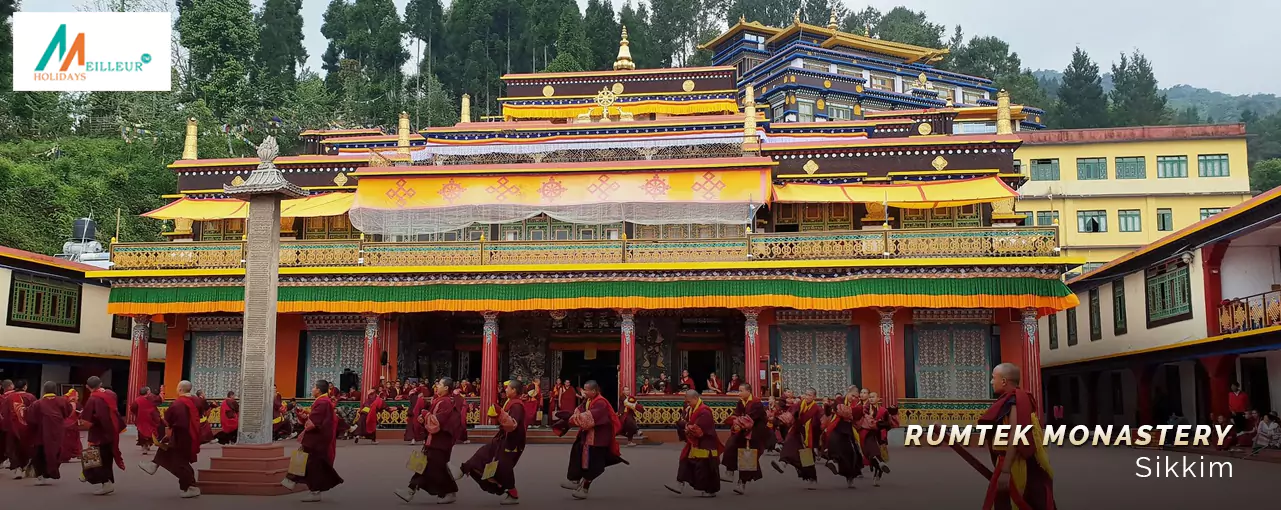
(38, 435)
(714, 385)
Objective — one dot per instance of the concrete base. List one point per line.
(247, 470)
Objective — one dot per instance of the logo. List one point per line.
(90, 51)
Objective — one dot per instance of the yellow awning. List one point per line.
(926, 195)
(329, 204)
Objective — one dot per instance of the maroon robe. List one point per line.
(804, 432)
(734, 383)
(699, 466)
(873, 431)
(230, 410)
(461, 409)
(688, 383)
(714, 384)
(280, 427)
(1036, 490)
(628, 418)
(749, 428)
(17, 448)
(105, 424)
(568, 399)
(442, 423)
(505, 448)
(595, 448)
(71, 447)
(146, 419)
(319, 440)
(182, 446)
(367, 419)
(206, 428)
(844, 458)
(414, 431)
(46, 432)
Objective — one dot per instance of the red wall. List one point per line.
(288, 334)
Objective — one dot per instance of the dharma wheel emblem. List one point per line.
(605, 98)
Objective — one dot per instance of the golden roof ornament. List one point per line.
(402, 135)
(466, 113)
(1003, 124)
(742, 19)
(796, 17)
(189, 146)
(624, 61)
(831, 21)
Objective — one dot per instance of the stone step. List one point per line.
(247, 489)
(265, 451)
(240, 464)
(241, 476)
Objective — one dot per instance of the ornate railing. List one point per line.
(1250, 313)
(917, 243)
(924, 411)
(394, 417)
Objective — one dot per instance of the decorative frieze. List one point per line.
(812, 316)
(215, 323)
(333, 322)
(953, 315)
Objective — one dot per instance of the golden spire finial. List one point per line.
(402, 135)
(189, 148)
(624, 61)
(831, 22)
(796, 17)
(750, 143)
(1003, 124)
(742, 19)
(466, 114)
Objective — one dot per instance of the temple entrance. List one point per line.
(603, 368)
(701, 365)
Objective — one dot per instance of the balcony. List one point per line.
(884, 244)
(1250, 313)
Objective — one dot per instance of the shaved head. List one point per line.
(1005, 377)
(184, 387)
(691, 394)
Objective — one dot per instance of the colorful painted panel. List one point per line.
(329, 352)
(215, 363)
(815, 357)
(952, 362)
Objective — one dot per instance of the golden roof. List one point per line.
(909, 53)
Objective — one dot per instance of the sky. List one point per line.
(1215, 45)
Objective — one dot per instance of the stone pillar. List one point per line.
(889, 388)
(751, 350)
(371, 369)
(489, 367)
(1031, 369)
(139, 334)
(627, 352)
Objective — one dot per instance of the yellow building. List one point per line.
(1113, 190)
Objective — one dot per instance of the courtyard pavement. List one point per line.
(926, 478)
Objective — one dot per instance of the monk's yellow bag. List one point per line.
(91, 458)
(807, 457)
(885, 453)
(298, 463)
(417, 462)
(747, 460)
(490, 470)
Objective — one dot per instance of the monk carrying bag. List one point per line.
(91, 458)
(417, 462)
(298, 463)
(747, 460)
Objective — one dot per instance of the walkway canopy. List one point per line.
(329, 204)
(924, 195)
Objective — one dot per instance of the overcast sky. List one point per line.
(1217, 45)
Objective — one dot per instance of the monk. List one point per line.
(699, 467)
(414, 431)
(102, 414)
(461, 408)
(568, 399)
(687, 382)
(714, 384)
(5, 387)
(441, 421)
(734, 383)
(146, 419)
(466, 388)
(205, 410)
(843, 456)
(230, 410)
(1022, 477)
(595, 448)
(873, 430)
(530, 400)
(46, 432)
(628, 416)
(367, 418)
(802, 438)
(663, 385)
(280, 426)
(646, 387)
(17, 446)
(749, 429)
(71, 447)
(181, 445)
(319, 440)
(503, 451)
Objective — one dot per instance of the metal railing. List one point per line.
(1250, 313)
(880, 244)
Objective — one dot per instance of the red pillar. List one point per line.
(371, 368)
(1091, 395)
(889, 393)
(139, 334)
(751, 350)
(1143, 384)
(1211, 265)
(1222, 370)
(627, 354)
(489, 367)
(1032, 360)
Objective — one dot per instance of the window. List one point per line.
(848, 71)
(1164, 220)
(1045, 169)
(815, 66)
(1053, 323)
(805, 111)
(44, 303)
(840, 112)
(1130, 220)
(882, 82)
(1119, 325)
(1047, 218)
(1096, 319)
(1212, 165)
(746, 65)
(122, 328)
(1071, 326)
(1091, 221)
(1169, 295)
(969, 96)
(1131, 168)
(1018, 166)
(1091, 169)
(758, 39)
(1027, 217)
(1168, 167)
(1207, 212)
(1090, 266)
